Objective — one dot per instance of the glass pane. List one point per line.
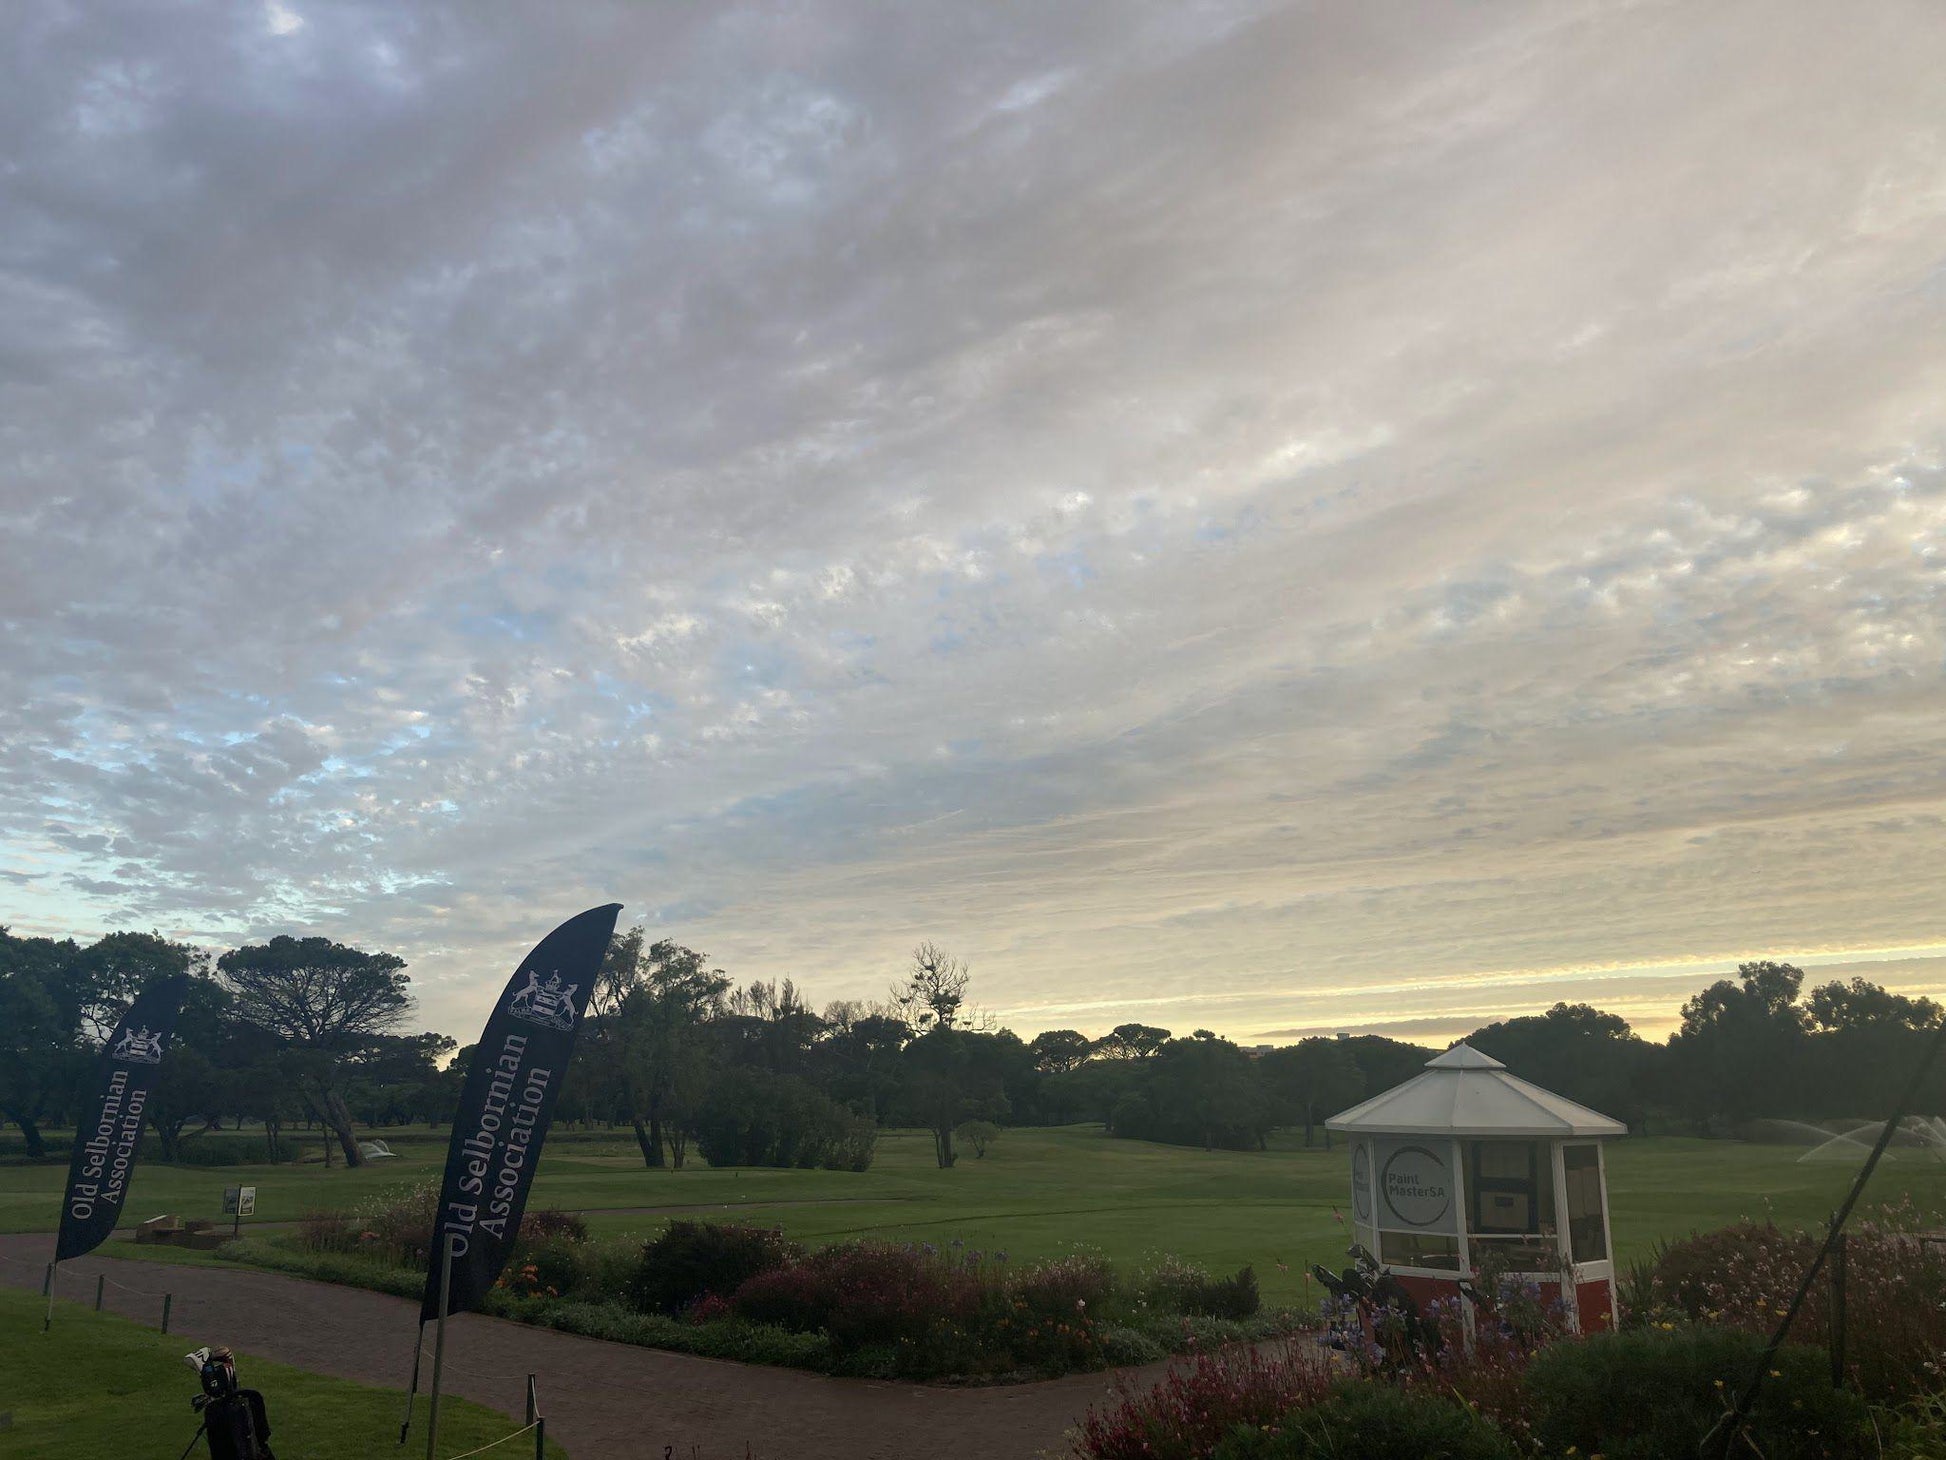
(1588, 1234)
(1509, 1189)
(1419, 1249)
(1521, 1254)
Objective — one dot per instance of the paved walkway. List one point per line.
(601, 1399)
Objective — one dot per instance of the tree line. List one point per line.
(675, 1051)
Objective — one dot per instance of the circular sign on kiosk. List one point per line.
(1417, 1189)
(1361, 1181)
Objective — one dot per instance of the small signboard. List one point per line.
(239, 1201)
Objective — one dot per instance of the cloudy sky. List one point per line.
(1259, 516)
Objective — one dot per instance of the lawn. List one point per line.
(1038, 1192)
(96, 1384)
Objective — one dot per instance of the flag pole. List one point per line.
(418, 1352)
(439, 1347)
(52, 1272)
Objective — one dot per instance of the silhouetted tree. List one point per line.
(322, 1000)
(1311, 1080)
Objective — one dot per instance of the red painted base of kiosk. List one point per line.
(1594, 1298)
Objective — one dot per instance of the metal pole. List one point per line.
(101, 1281)
(540, 1439)
(418, 1352)
(168, 1302)
(1838, 1312)
(439, 1347)
(47, 1291)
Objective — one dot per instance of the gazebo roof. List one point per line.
(1466, 1093)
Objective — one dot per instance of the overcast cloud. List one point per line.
(1266, 517)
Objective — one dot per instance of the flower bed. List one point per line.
(874, 1309)
(1526, 1387)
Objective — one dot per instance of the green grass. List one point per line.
(99, 1385)
(1037, 1193)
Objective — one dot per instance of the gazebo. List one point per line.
(1467, 1160)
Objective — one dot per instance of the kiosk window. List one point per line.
(1419, 1249)
(1505, 1193)
(1587, 1232)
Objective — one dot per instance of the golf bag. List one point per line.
(234, 1422)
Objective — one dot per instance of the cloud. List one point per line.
(1289, 517)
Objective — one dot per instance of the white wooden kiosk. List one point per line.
(1466, 1159)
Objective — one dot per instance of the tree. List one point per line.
(979, 1134)
(110, 972)
(1311, 1080)
(1057, 1051)
(323, 1001)
(857, 1060)
(934, 989)
(652, 1008)
(955, 1075)
(38, 1017)
(196, 1085)
(58, 1002)
(1578, 1051)
(1866, 1042)
(1837, 1006)
(1201, 1091)
(1385, 1062)
(1741, 1045)
(1131, 1042)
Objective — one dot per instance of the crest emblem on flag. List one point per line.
(544, 1003)
(139, 1046)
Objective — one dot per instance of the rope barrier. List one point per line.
(69, 1271)
(524, 1429)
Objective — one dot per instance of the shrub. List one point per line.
(755, 1118)
(604, 1271)
(742, 1342)
(397, 1225)
(1658, 1392)
(222, 1149)
(1125, 1347)
(1374, 1421)
(1745, 1276)
(1187, 1414)
(794, 1298)
(551, 1226)
(326, 1232)
(891, 1295)
(1919, 1433)
(915, 1312)
(541, 1269)
(693, 1258)
(1175, 1286)
(1067, 1286)
(979, 1134)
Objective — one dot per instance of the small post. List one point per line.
(1838, 1312)
(101, 1281)
(168, 1302)
(540, 1439)
(533, 1401)
(439, 1346)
